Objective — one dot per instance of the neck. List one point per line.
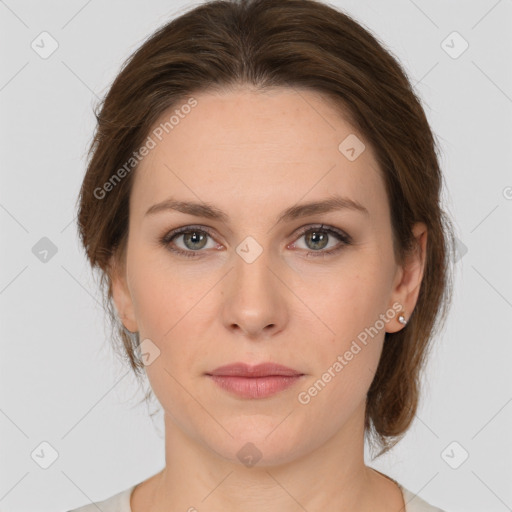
(197, 478)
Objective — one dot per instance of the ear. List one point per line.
(121, 295)
(408, 279)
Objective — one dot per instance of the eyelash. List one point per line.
(340, 235)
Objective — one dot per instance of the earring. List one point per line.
(402, 319)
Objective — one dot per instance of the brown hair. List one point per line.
(290, 43)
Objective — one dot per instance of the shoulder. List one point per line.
(413, 503)
(119, 502)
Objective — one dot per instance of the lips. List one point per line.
(260, 370)
(252, 382)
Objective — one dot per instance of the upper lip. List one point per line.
(259, 370)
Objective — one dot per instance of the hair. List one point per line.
(262, 44)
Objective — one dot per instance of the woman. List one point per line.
(262, 200)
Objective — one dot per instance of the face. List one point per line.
(314, 290)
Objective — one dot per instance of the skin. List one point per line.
(253, 154)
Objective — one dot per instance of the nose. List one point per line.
(254, 300)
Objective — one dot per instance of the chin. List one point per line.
(265, 443)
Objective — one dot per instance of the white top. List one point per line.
(121, 503)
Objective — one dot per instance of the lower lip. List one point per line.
(255, 387)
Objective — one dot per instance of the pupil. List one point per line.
(317, 237)
(196, 237)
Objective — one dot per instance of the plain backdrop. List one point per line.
(68, 403)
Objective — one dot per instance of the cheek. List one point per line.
(170, 315)
(345, 366)
(160, 298)
(343, 307)
(349, 350)
(168, 380)
(170, 311)
(338, 389)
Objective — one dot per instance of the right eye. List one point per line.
(193, 240)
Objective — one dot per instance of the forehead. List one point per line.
(244, 147)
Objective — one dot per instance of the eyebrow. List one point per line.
(294, 212)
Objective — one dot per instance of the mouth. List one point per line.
(253, 382)
(259, 370)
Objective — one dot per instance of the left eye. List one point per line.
(195, 239)
(318, 237)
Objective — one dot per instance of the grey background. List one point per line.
(61, 383)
